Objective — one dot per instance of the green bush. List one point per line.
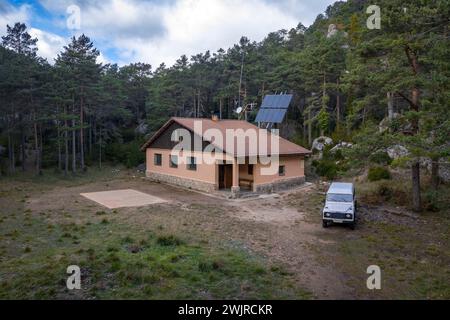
(168, 241)
(384, 192)
(325, 168)
(338, 155)
(431, 201)
(128, 154)
(380, 157)
(378, 173)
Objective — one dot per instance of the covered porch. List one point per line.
(235, 177)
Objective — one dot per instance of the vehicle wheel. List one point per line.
(325, 223)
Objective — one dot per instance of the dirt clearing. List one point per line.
(195, 246)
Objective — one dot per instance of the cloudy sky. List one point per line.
(155, 31)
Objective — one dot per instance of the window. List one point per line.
(192, 163)
(250, 170)
(176, 136)
(158, 159)
(173, 161)
(281, 170)
(336, 197)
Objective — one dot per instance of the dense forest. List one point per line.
(74, 113)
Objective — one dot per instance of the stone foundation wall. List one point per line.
(182, 182)
(279, 185)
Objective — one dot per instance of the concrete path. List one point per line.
(122, 198)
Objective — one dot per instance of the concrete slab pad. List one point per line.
(122, 198)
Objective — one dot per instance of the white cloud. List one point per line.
(9, 15)
(158, 31)
(197, 26)
(49, 44)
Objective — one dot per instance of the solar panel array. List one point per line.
(274, 108)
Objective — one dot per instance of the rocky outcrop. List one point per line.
(142, 128)
(332, 30)
(341, 145)
(444, 172)
(397, 151)
(402, 125)
(320, 143)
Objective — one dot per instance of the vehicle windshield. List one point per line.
(335, 197)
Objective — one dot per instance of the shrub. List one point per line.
(378, 173)
(380, 157)
(338, 155)
(210, 266)
(128, 154)
(431, 201)
(384, 192)
(325, 168)
(168, 241)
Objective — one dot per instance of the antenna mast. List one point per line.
(240, 78)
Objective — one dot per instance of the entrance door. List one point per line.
(225, 176)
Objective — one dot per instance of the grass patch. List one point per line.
(119, 258)
(167, 241)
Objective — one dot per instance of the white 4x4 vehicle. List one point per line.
(340, 205)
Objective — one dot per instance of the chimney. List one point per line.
(214, 118)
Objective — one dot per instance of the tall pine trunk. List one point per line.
(74, 143)
(36, 145)
(100, 150)
(415, 175)
(58, 134)
(12, 160)
(41, 149)
(81, 132)
(309, 127)
(414, 106)
(195, 108)
(390, 100)
(338, 106)
(66, 143)
(435, 173)
(22, 144)
(415, 170)
(90, 135)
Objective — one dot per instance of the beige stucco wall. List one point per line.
(208, 173)
(205, 172)
(294, 167)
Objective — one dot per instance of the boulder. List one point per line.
(320, 143)
(397, 151)
(341, 145)
(142, 128)
(384, 124)
(402, 124)
(444, 172)
(141, 167)
(332, 30)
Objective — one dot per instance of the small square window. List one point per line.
(250, 170)
(281, 170)
(158, 159)
(192, 163)
(176, 136)
(173, 161)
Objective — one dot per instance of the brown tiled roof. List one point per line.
(285, 147)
